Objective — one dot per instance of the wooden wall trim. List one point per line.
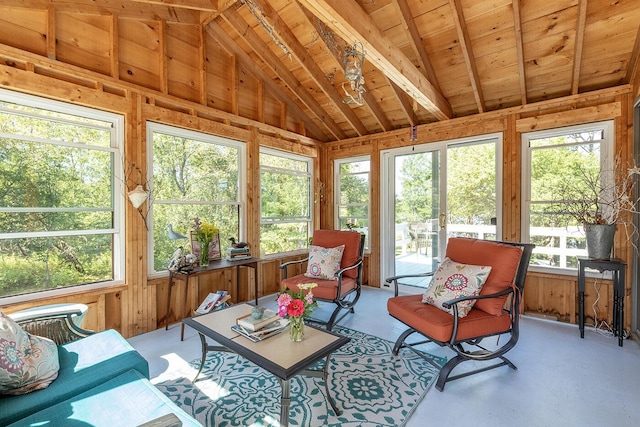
(572, 117)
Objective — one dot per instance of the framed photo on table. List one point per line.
(214, 247)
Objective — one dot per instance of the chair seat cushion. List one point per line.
(438, 325)
(326, 289)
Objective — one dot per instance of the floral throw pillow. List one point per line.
(453, 280)
(27, 362)
(324, 262)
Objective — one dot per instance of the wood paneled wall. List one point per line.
(138, 305)
(548, 295)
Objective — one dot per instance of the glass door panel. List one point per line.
(472, 202)
(416, 211)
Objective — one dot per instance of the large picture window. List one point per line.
(193, 175)
(352, 179)
(285, 201)
(61, 196)
(552, 159)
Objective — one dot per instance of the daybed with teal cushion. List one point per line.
(101, 380)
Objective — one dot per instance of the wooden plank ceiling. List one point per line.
(280, 61)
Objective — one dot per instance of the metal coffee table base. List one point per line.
(285, 398)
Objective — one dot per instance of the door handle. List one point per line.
(442, 221)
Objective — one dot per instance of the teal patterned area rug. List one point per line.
(371, 385)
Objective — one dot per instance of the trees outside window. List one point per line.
(352, 178)
(553, 160)
(193, 175)
(286, 220)
(61, 195)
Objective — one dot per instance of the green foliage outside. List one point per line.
(192, 179)
(48, 187)
(285, 204)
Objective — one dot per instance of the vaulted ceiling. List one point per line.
(426, 60)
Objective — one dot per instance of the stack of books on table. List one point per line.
(256, 330)
(237, 254)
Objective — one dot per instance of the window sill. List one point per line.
(108, 287)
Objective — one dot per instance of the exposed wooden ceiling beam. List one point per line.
(404, 12)
(405, 102)
(214, 31)
(203, 5)
(307, 62)
(577, 52)
(517, 26)
(369, 100)
(467, 52)
(281, 70)
(633, 69)
(349, 21)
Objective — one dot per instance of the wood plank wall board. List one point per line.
(138, 305)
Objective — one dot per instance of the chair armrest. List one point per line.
(55, 322)
(351, 267)
(451, 302)
(284, 266)
(395, 279)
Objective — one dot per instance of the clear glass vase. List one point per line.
(296, 328)
(204, 253)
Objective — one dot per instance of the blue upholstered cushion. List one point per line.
(84, 364)
(126, 400)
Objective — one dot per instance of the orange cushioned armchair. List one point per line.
(344, 286)
(495, 312)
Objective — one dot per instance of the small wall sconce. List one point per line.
(138, 196)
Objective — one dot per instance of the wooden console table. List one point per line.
(213, 265)
(617, 267)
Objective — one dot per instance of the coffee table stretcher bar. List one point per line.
(275, 354)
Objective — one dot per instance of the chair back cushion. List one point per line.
(503, 260)
(334, 238)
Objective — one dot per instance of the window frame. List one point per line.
(310, 174)
(116, 148)
(201, 136)
(607, 158)
(337, 163)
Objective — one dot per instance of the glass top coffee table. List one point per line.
(277, 354)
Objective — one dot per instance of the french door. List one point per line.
(435, 191)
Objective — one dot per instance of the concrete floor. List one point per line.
(562, 380)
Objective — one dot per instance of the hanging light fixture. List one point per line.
(353, 61)
(138, 196)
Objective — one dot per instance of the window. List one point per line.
(551, 159)
(61, 196)
(285, 201)
(352, 197)
(193, 175)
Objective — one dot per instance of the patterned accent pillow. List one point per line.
(324, 262)
(27, 362)
(452, 280)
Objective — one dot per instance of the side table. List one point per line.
(618, 268)
(213, 265)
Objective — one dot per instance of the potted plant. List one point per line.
(599, 200)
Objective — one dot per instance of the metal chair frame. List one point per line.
(477, 352)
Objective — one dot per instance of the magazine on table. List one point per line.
(273, 328)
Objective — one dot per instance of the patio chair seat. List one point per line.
(438, 324)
